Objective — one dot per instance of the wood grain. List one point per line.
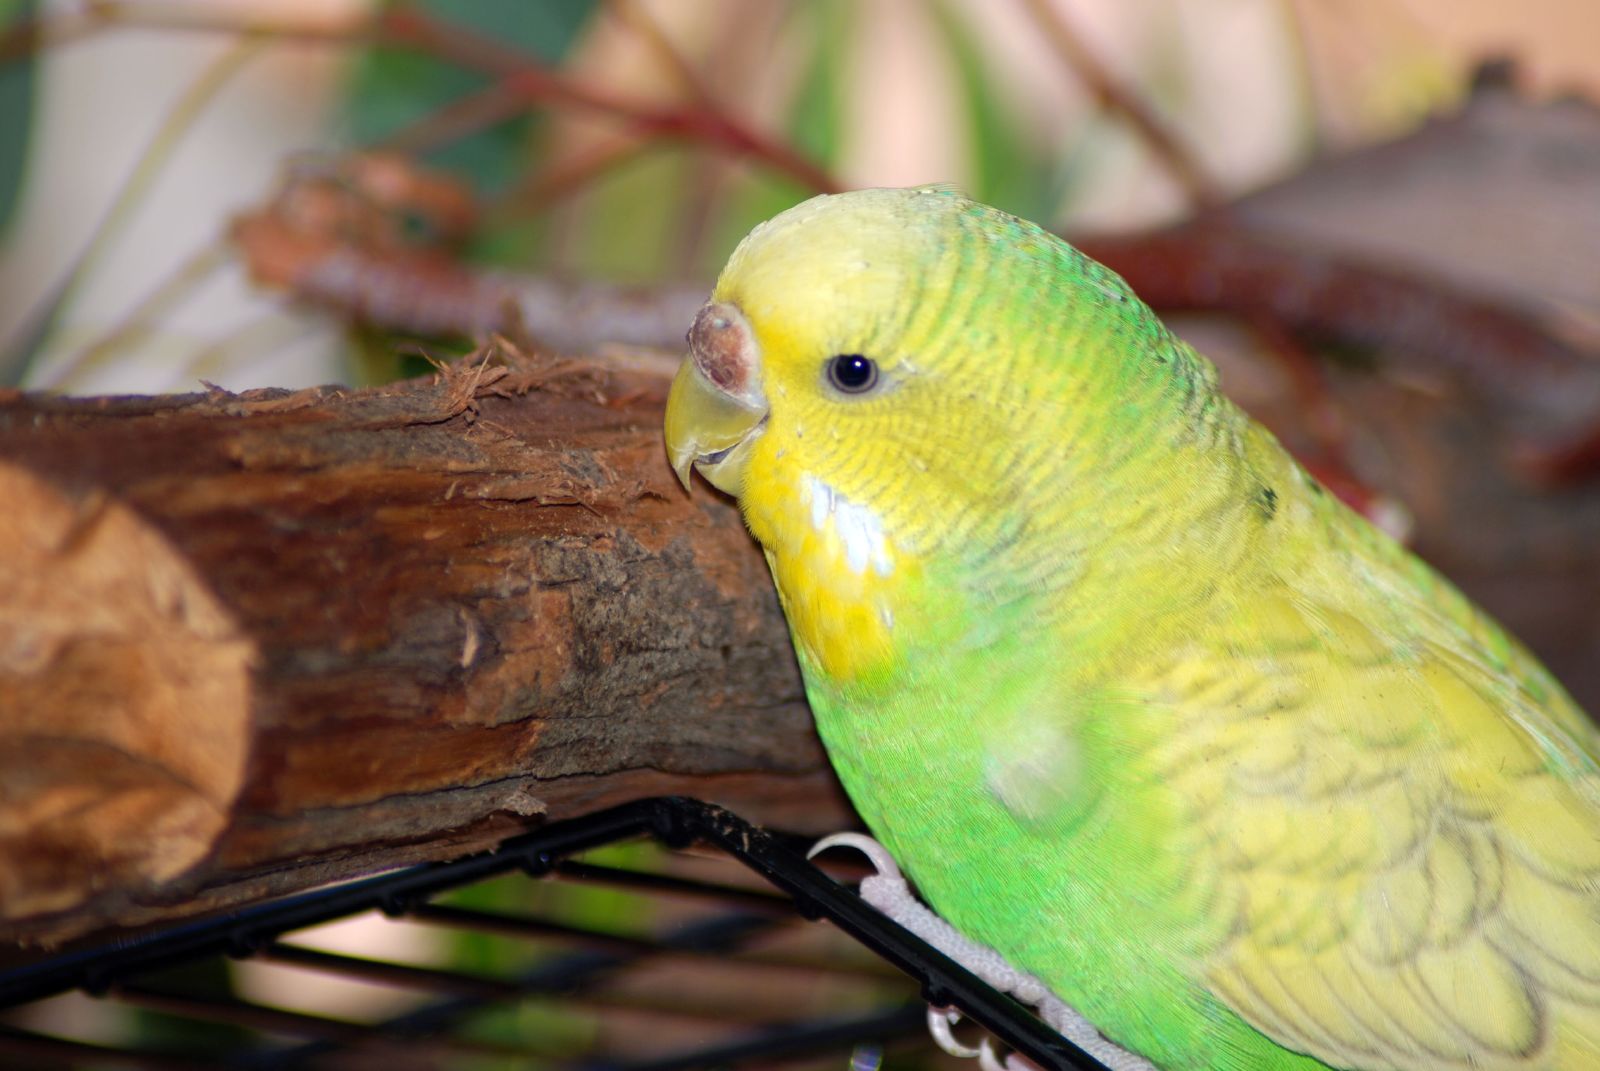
(250, 643)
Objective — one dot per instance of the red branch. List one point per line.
(1497, 351)
(1215, 268)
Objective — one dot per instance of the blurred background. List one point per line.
(132, 134)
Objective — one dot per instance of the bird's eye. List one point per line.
(852, 373)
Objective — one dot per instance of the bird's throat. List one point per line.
(843, 581)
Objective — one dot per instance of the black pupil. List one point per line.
(853, 372)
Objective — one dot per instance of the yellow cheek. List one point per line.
(838, 574)
(845, 633)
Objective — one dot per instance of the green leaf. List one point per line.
(817, 125)
(1006, 170)
(392, 88)
(632, 217)
(18, 80)
(817, 113)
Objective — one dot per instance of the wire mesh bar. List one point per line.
(405, 975)
(574, 971)
(528, 928)
(21, 1048)
(577, 967)
(231, 1010)
(523, 927)
(240, 933)
(599, 874)
(796, 1041)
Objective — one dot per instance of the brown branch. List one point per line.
(644, 25)
(335, 236)
(250, 643)
(1214, 266)
(488, 107)
(1577, 461)
(424, 293)
(1498, 351)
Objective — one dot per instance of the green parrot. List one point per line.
(1134, 701)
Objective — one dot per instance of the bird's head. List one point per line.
(888, 377)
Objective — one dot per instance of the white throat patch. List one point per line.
(857, 527)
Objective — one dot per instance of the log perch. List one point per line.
(253, 643)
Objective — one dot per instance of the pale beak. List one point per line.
(716, 406)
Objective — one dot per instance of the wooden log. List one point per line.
(252, 643)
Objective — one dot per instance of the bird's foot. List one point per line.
(887, 891)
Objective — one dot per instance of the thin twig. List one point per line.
(642, 23)
(177, 122)
(562, 179)
(536, 192)
(539, 83)
(488, 107)
(145, 316)
(1114, 96)
(700, 195)
(241, 347)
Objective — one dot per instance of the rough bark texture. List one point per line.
(252, 643)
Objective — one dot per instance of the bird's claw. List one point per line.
(987, 1060)
(940, 1020)
(876, 854)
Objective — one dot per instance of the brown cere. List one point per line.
(723, 346)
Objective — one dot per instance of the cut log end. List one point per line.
(125, 686)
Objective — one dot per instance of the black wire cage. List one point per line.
(662, 935)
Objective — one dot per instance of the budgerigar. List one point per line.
(1134, 701)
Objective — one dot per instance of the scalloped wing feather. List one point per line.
(1406, 849)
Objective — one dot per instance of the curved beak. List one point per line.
(716, 408)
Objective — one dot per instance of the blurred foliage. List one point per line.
(16, 113)
(817, 122)
(669, 208)
(392, 88)
(628, 170)
(632, 222)
(1008, 170)
(819, 112)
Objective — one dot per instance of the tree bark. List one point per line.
(252, 643)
